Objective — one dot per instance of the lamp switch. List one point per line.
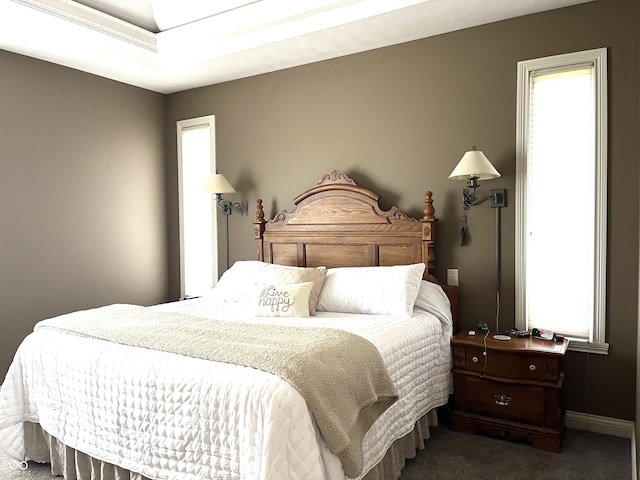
(452, 277)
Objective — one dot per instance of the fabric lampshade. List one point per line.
(217, 183)
(474, 164)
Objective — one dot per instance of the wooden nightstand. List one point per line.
(514, 391)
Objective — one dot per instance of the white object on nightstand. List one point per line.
(501, 337)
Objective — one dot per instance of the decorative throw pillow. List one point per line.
(233, 284)
(374, 290)
(277, 300)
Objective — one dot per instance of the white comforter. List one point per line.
(168, 416)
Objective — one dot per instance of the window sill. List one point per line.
(588, 347)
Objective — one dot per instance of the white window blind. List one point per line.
(561, 183)
(197, 212)
(559, 225)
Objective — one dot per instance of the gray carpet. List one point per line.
(454, 456)
(449, 455)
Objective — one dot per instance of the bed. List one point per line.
(129, 392)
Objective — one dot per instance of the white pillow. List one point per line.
(283, 300)
(431, 298)
(374, 290)
(233, 284)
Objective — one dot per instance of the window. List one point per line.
(198, 239)
(561, 190)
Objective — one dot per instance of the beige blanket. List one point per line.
(341, 375)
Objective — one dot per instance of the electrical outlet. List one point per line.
(452, 277)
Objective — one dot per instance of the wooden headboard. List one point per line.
(340, 224)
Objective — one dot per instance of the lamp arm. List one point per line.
(238, 207)
(469, 198)
(228, 207)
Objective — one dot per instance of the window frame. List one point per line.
(525, 69)
(182, 125)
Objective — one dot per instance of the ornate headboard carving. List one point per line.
(340, 224)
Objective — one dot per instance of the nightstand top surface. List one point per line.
(551, 347)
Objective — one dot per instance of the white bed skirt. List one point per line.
(74, 465)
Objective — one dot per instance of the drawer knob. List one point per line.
(532, 367)
(502, 400)
(474, 359)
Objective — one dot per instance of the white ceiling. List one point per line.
(173, 45)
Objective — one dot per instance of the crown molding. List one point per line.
(95, 20)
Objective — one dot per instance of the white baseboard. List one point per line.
(598, 424)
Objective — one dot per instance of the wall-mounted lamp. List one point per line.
(474, 166)
(218, 184)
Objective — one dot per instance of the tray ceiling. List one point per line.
(173, 45)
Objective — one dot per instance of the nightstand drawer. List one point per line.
(521, 366)
(524, 403)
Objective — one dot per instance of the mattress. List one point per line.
(167, 416)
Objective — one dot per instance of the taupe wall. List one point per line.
(82, 195)
(398, 119)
